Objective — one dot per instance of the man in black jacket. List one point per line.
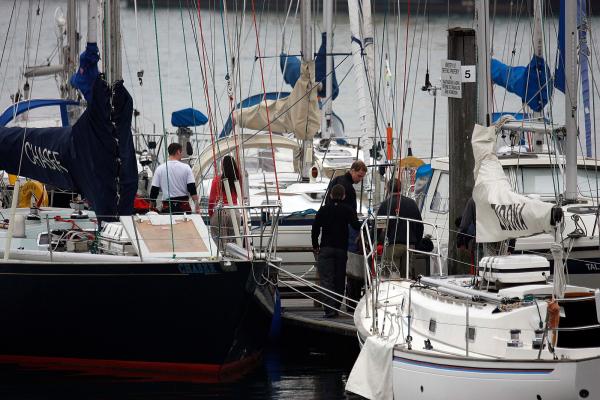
(331, 222)
(396, 204)
(356, 174)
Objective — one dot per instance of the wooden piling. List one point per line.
(462, 114)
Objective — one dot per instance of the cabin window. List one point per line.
(546, 181)
(471, 333)
(439, 203)
(432, 325)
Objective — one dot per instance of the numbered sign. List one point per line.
(451, 79)
(468, 73)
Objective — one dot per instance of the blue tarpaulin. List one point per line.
(188, 117)
(528, 82)
(290, 66)
(86, 75)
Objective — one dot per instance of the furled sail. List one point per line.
(297, 113)
(82, 158)
(290, 67)
(501, 213)
(529, 82)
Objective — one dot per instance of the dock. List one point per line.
(299, 310)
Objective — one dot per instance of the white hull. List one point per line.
(419, 376)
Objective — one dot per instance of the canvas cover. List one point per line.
(371, 375)
(501, 213)
(297, 113)
(82, 158)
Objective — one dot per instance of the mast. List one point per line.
(307, 55)
(570, 60)
(112, 41)
(328, 105)
(484, 94)
(538, 50)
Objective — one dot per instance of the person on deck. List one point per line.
(331, 223)
(396, 204)
(176, 181)
(218, 193)
(355, 175)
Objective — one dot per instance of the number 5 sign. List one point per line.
(468, 73)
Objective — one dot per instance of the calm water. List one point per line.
(289, 372)
(426, 48)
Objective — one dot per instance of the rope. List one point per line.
(8, 31)
(162, 111)
(266, 103)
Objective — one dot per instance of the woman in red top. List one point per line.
(217, 189)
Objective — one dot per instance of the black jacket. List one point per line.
(333, 219)
(346, 181)
(396, 231)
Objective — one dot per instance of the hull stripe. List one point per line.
(472, 369)
(140, 370)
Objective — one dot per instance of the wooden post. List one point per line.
(462, 115)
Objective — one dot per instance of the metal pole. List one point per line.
(327, 107)
(484, 94)
(571, 92)
(434, 91)
(49, 237)
(137, 239)
(307, 55)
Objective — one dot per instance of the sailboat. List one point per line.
(108, 292)
(446, 337)
(508, 330)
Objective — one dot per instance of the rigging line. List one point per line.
(162, 110)
(401, 130)
(266, 103)
(289, 45)
(231, 94)
(206, 93)
(139, 60)
(8, 31)
(412, 106)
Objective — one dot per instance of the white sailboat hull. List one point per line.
(419, 376)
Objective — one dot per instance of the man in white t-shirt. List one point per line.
(175, 180)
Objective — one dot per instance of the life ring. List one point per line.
(33, 189)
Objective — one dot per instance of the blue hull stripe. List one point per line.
(473, 370)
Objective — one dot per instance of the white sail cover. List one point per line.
(297, 113)
(501, 213)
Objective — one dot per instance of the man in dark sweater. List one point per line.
(398, 205)
(331, 222)
(357, 172)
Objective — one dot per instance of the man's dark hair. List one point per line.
(337, 192)
(174, 148)
(394, 186)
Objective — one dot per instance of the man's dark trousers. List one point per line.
(332, 274)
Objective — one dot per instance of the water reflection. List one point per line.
(288, 371)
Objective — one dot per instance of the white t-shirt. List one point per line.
(180, 175)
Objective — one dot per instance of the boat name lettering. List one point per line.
(43, 157)
(592, 266)
(197, 269)
(510, 216)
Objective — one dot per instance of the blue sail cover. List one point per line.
(528, 82)
(291, 69)
(85, 76)
(188, 117)
(81, 158)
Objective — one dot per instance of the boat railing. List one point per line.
(369, 244)
(235, 236)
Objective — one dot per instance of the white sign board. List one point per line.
(468, 73)
(451, 79)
